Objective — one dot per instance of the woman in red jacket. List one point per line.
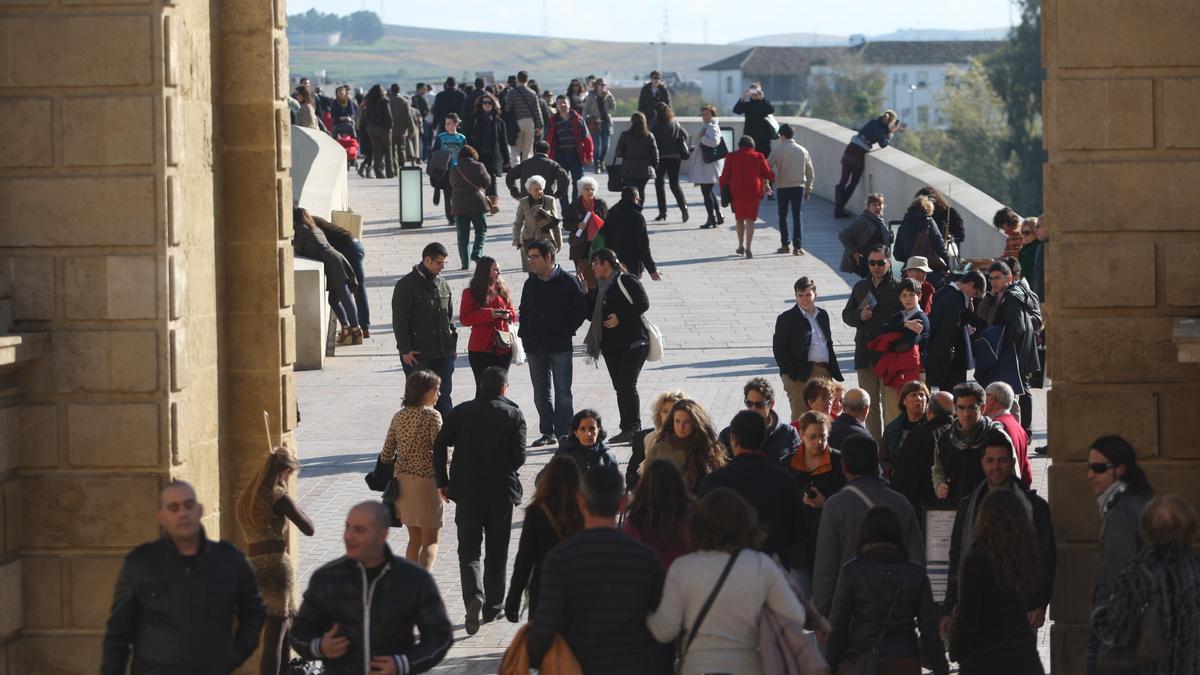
(487, 308)
(746, 176)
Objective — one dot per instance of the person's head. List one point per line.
(558, 489)
(973, 283)
(1042, 229)
(422, 88)
(271, 482)
(394, 89)
(940, 203)
(536, 187)
(1000, 275)
(724, 521)
(1004, 535)
(629, 195)
(343, 93)
(922, 204)
(366, 532)
(602, 492)
(488, 104)
(857, 402)
(1014, 266)
(998, 399)
(917, 267)
(818, 395)
(539, 253)
(522, 77)
(876, 204)
(587, 427)
(486, 282)
(304, 82)
(942, 403)
(179, 512)
(746, 432)
(421, 388)
(661, 503)
(881, 525)
(547, 96)
(605, 263)
(889, 117)
(303, 95)
(1006, 220)
(480, 83)
(860, 456)
(562, 105)
(746, 142)
(541, 147)
(914, 399)
(759, 397)
(1111, 458)
(839, 395)
(376, 94)
(968, 404)
(910, 293)
(756, 90)
(806, 293)
(637, 125)
(494, 382)
(878, 262)
(587, 187)
(786, 132)
(1169, 520)
(450, 83)
(451, 123)
(708, 113)
(469, 152)
(1029, 228)
(433, 257)
(999, 459)
(688, 418)
(814, 432)
(600, 86)
(660, 410)
(655, 78)
(663, 113)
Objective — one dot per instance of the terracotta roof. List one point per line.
(797, 60)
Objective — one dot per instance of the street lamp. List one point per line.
(912, 93)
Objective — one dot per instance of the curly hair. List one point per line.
(557, 486)
(661, 504)
(1003, 530)
(724, 521)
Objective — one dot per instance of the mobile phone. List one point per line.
(811, 492)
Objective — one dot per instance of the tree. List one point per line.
(850, 95)
(1015, 72)
(364, 27)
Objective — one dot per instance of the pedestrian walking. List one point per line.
(672, 141)
(306, 116)
(409, 449)
(653, 92)
(746, 177)
(914, 408)
(402, 125)
(423, 322)
(637, 154)
(487, 133)
(878, 131)
(452, 142)
(956, 464)
(598, 110)
(705, 173)
(377, 115)
(524, 109)
(469, 179)
(688, 441)
(617, 333)
(449, 101)
(873, 301)
(583, 220)
(803, 345)
(577, 95)
(487, 308)
(626, 234)
(816, 469)
(780, 438)
(793, 171)
(570, 144)
(537, 218)
(951, 324)
(552, 516)
(660, 413)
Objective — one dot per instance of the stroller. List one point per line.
(344, 134)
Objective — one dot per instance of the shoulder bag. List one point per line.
(492, 202)
(872, 662)
(712, 597)
(685, 150)
(654, 352)
(613, 171)
(715, 153)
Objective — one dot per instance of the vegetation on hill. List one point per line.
(360, 27)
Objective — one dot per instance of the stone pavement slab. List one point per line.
(716, 309)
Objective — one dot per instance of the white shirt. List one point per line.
(818, 348)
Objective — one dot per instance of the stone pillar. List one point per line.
(1124, 155)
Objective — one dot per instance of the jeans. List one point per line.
(668, 169)
(360, 296)
(481, 361)
(488, 526)
(464, 224)
(574, 166)
(624, 366)
(849, 179)
(601, 149)
(342, 302)
(553, 419)
(793, 196)
(443, 368)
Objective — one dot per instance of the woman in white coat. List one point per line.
(708, 174)
(722, 525)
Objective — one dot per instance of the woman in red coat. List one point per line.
(746, 176)
(487, 308)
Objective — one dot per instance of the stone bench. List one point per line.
(312, 314)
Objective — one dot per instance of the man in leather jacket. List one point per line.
(177, 598)
(359, 611)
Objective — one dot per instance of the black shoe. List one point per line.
(489, 614)
(784, 249)
(623, 437)
(662, 216)
(710, 223)
(1042, 450)
(720, 219)
(546, 439)
(740, 250)
(472, 621)
(685, 213)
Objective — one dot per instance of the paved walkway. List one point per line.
(717, 311)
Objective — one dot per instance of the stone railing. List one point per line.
(895, 174)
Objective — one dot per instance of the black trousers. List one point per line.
(483, 525)
(668, 169)
(481, 361)
(624, 367)
(712, 202)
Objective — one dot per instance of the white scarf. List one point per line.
(1110, 495)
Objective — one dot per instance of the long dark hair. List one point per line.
(661, 504)
(479, 104)
(376, 95)
(1003, 531)
(481, 282)
(1119, 452)
(637, 125)
(663, 113)
(557, 487)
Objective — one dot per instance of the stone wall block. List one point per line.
(287, 337)
(1067, 482)
(179, 359)
(257, 335)
(177, 420)
(105, 361)
(38, 435)
(256, 266)
(124, 508)
(173, 130)
(1098, 197)
(29, 143)
(12, 515)
(251, 215)
(1183, 273)
(77, 51)
(92, 583)
(170, 52)
(1132, 413)
(252, 392)
(34, 287)
(287, 280)
(283, 207)
(108, 130)
(1073, 583)
(10, 597)
(174, 210)
(282, 83)
(79, 211)
(1116, 350)
(1180, 99)
(1127, 122)
(1180, 423)
(283, 139)
(56, 654)
(249, 71)
(1114, 276)
(113, 434)
(287, 386)
(1116, 33)
(111, 287)
(10, 439)
(43, 592)
(248, 125)
(176, 286)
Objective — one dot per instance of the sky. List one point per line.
(720, 21)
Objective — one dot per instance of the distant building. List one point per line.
(914, 73)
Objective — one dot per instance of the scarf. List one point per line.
(1109, 497)
(966, 537)
(800, 465)
(592, 341)
(974, 440)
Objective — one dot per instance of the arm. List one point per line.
(1119, 543)
(250, 609)
(288, 508)
(518, 225)
(310, 624)
(1045, 536)
(510, 179)
(666, 621)
(641, 302)
(433, 627)
(550, 614)
(643, 244)
(577, 310)
(956, 554)
(937, 471)
(445, 439)
(955, 225)
(619, 152)
(739, 108)
(829, 559)
(502, 133)
(516, 448)
(523, 563)
(809, 175)
(401, 311)
(780, 343)
(470, 313)
(970, 611)
(850, 315)
(122, 619)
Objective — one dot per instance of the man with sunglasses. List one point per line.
(781, 438)
(956, 462)
(873, 301)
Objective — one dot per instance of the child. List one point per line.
(901, 339)
(452, 142)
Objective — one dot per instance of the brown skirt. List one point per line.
(419, 503)
(855, 156)
(276, 580)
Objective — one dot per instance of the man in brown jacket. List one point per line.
(403, 129)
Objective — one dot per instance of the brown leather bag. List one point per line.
(558, 661)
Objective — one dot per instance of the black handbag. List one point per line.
(377, 479)
(615, 183)
(712, 154)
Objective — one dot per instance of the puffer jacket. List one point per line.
(639, 156)
(881, 591)
(1021, 315)
(377, 617)
(423, 315)
(587, 457)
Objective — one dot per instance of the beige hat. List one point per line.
(918, 262)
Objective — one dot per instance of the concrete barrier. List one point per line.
(319, 181)
(312, 314)
(894, 174)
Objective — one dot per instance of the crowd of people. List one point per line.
(715, 545)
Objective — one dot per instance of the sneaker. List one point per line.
(783, 249)
(740, 251)
(798, 251)
(546, 439)
(472, 620)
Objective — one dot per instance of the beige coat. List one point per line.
(526, 227)
(792, 165)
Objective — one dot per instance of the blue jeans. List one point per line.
(553, 419)
(602, 139)
(342, 302)
(443, 368)
(793, 196)
(464, 224)
(574, 166)
(360, 296)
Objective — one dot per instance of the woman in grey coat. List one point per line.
(708, 174)
(1122, 491)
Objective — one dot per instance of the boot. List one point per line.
(720, 218)
(840, 199)
(683, 209)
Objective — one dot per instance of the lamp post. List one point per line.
(912, 93)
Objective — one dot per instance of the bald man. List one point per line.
(856, 407)
(177, 597)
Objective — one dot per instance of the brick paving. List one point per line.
(716, 309)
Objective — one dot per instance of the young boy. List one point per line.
(452, 142)
(901, 339)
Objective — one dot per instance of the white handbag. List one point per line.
(654, 352)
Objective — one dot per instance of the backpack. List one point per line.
(438, 166)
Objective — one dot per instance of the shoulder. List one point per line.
(226, 552)
(148, 553)
(329, 571)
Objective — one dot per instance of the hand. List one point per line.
(944, 626)
(857, 257)
(656, 276)
(410, 359)
(384, 665)
(970, 330)
(515, 194)
(499, 313)
(817, 502)
(914, 325)
(507, 167)
(943, 490)
(822, 636)
(333, 646)
(612, 321)
(865, 314)
(1037, 618)
(445, 495)
(770, 192)
(808, 196)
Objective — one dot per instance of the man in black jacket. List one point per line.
(177, 598)
(423, 322)
(468, 107)
(803, 345)
(758, 478)
(488, 436)
(553, 307)
(952, 322)
(558, 184)
(781, 438)
(625, 233)
(999, 460)
(449, 100)
(597, 588)
(653, 93)
(873, 302)
(398, 595)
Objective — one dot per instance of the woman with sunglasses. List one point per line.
(1029, 251)
(1122, 491)
(489, 136)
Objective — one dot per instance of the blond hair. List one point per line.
(924, 203)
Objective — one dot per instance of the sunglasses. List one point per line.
(876, 263)
(1099, 467)
(1026, 233)
(761, 405)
